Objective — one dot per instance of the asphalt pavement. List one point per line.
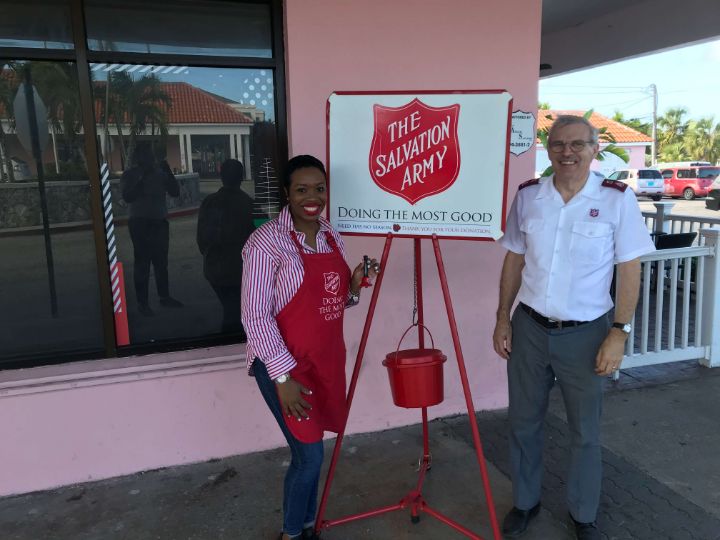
(660, 479)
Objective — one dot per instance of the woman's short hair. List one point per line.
(570, 119)
(301, 162)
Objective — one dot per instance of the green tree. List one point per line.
(137, 104)
(698, 139)
(634, 123)
(58, 86)
(603, 137)
(544, 106)
(671, 127)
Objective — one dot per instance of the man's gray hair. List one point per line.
(570, 119)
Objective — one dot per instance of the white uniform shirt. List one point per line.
(570, 249)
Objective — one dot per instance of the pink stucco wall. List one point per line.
(99, 419)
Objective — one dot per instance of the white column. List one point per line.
(711, 300)
(183, 154)
(189, 153)
(661, 217)
(246, 155)
(233, 153)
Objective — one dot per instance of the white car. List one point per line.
(648, 182)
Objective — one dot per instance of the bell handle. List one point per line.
(432, 341)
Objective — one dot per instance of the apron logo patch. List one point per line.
(332, 282)
(594, 212)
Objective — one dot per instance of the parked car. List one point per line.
(648, 182)
(689, 182)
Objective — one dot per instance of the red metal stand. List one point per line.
(414, 500)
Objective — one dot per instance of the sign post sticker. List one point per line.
(419, 164)
(522, 133)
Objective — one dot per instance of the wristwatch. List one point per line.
(285, 377)
(355, 298)
(625, 327)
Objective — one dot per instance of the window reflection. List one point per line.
(49, 294)
(194, 27)
(164, 134)
(38, 24)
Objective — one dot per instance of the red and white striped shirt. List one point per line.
(272, 274)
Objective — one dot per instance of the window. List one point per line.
(686, 173)
(623, 175)
(667, 174)
(708, 172)
(164, 134)
(48, 273)
(35, 24)
(614, 176)
(104, 247)
(649, 174)
(193, 27)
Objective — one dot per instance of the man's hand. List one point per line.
(611, 352)
(291, 400)
(502, 337)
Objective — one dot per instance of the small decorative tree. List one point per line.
(603, 137)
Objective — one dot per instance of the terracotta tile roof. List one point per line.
(621, 132)
(190, 105)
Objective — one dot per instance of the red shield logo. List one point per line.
(332, 282)
(594, 212)
(415, 151)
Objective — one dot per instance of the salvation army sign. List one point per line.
(414, 152)
(419, 164)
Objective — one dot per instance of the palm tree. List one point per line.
(58, 86)
(698, 139)
(672, 127)
(136, 103)
(7, 92)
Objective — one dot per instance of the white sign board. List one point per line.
(419, 164)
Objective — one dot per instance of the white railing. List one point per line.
(678, 315)
(663, 220)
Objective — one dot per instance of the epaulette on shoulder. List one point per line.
(529, 183)
(615, 184)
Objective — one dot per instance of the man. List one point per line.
(224, 224)
(144, 188)
(564, 234)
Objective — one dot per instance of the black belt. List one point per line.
(546, 322)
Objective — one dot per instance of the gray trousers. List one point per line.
(539, 357)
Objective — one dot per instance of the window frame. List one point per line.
(82, 56)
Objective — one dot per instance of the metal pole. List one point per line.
(653, 154)
(37, 154)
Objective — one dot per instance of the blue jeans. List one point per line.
(303, 475)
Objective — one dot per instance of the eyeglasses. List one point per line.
(575, 146)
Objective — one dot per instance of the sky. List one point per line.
(686, 77)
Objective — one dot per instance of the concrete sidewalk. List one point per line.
(660, 479)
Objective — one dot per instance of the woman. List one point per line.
(296, 285)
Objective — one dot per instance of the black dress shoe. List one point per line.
(586, 531)
(516, 521)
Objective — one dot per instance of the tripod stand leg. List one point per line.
(353, 381)
(466, 389)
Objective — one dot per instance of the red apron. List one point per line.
(311, 325)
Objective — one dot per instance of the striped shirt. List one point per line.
(272, 274)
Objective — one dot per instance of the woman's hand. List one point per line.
(290, 393)
(357, 275)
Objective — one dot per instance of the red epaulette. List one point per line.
(532, 182)
(615, 184)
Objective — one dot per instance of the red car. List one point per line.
(689, 182)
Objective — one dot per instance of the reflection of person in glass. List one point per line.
(224, 224)
(144, 187)
(296, 285)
